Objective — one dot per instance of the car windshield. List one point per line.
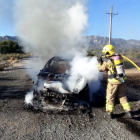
(57, 66)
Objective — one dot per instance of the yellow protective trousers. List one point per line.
(118, 90)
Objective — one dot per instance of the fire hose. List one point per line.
(131, 62)
(127, 60)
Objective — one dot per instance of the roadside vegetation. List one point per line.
(13, 56)
(10, 51)
(7, 47)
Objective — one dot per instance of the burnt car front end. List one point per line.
(51, 91)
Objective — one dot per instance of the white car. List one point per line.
(51, 90)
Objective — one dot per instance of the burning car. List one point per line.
(52, 90)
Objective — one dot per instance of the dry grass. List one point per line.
(13, 56)
(7, 59)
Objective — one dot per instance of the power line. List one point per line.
(110, 31)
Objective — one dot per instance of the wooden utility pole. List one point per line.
(110, 30)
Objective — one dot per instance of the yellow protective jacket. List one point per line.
(110, 69)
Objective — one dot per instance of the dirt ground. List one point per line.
(17, 123)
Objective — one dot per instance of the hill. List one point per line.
(5, 38)
(97, 42)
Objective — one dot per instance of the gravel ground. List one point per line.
(20, 124)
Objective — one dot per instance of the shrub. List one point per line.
(13, 56)
(10, 47)
(5, 57)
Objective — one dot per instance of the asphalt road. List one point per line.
(17, 123)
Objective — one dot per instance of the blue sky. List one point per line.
(6, 18)
(126, 24)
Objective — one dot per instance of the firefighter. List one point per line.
(116, 86)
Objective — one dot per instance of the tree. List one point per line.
(10, 47)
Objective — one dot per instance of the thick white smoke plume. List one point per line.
(86, 67)
(50, 27)
(55, 28)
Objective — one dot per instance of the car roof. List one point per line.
(59, 58)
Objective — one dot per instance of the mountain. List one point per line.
(98, 42)
(13, 38)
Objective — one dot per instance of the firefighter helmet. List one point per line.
(108, 50)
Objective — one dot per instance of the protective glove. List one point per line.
(100, 60)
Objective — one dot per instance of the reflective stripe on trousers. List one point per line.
(126, 106)
(109, 108)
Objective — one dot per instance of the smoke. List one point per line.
(86, 67)
(50, 28)
(29, 97)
